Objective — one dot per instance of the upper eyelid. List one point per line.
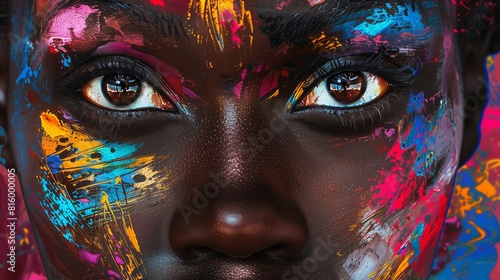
(101, 64)
(397, 75)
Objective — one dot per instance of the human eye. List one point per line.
(351, 91)
(123, 92)
(346, 89)
(116, 83)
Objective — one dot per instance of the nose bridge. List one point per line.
(234, 135)
(239, 126)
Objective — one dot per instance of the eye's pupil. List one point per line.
(347, 87)
(121, 89)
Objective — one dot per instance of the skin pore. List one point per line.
(252, 139)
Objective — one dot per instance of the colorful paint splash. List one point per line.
(473, 229)
(228, 22)
(402, 225)
(88, 183)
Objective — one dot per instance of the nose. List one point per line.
(239, 229)
(253, 211)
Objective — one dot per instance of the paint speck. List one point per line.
(119, 260)
(160, 3)
(111, 273)
(139, 178)
(96, 155)
(89, 257)
(315, 2)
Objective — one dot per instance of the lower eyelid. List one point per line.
(353, 121)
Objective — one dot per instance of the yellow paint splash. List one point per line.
(325, 44)
(59, 137)
(120, 241)
(394, 269)
(224, 19)
(463, 202)
(484, 186)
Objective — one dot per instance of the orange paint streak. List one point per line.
(120, 240)
(224, 19)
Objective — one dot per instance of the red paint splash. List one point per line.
(160, 3)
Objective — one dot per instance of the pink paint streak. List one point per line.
(160, 3)
(269, 84)
(238, 87)
(315, 2)
(89, 257)
(234, 27)
(70, 23)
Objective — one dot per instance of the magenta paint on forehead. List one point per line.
(160, 3)
(70, 23)
(179, 7)
(269, 83)
(282, 4)
(239, 86)
(315, 2)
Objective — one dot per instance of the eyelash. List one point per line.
(68, 89)
(398, 77)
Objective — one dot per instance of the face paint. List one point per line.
(373, 177)
(466, 248)
(89, 184)
(230, 24)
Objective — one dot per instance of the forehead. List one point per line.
(181, 6)
(331, 9)
(282, 21)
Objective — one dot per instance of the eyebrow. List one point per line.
(164, 24)
(283, 28)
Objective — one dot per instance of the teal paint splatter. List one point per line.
(415, 241)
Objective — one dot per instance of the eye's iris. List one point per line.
(347, 87)
(121, 89)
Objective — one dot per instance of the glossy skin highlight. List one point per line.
(237, 182)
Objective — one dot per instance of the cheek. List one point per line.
(89, 186)
(408, 200)
(422, 159)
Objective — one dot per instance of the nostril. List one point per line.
(239, 232)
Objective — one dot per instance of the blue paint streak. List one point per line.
(415, 241)
(66, 61)
(392, 22)
(60, 210)
(54, 163)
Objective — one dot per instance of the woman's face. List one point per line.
(235, 139)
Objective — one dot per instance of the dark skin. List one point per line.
(239, 180)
